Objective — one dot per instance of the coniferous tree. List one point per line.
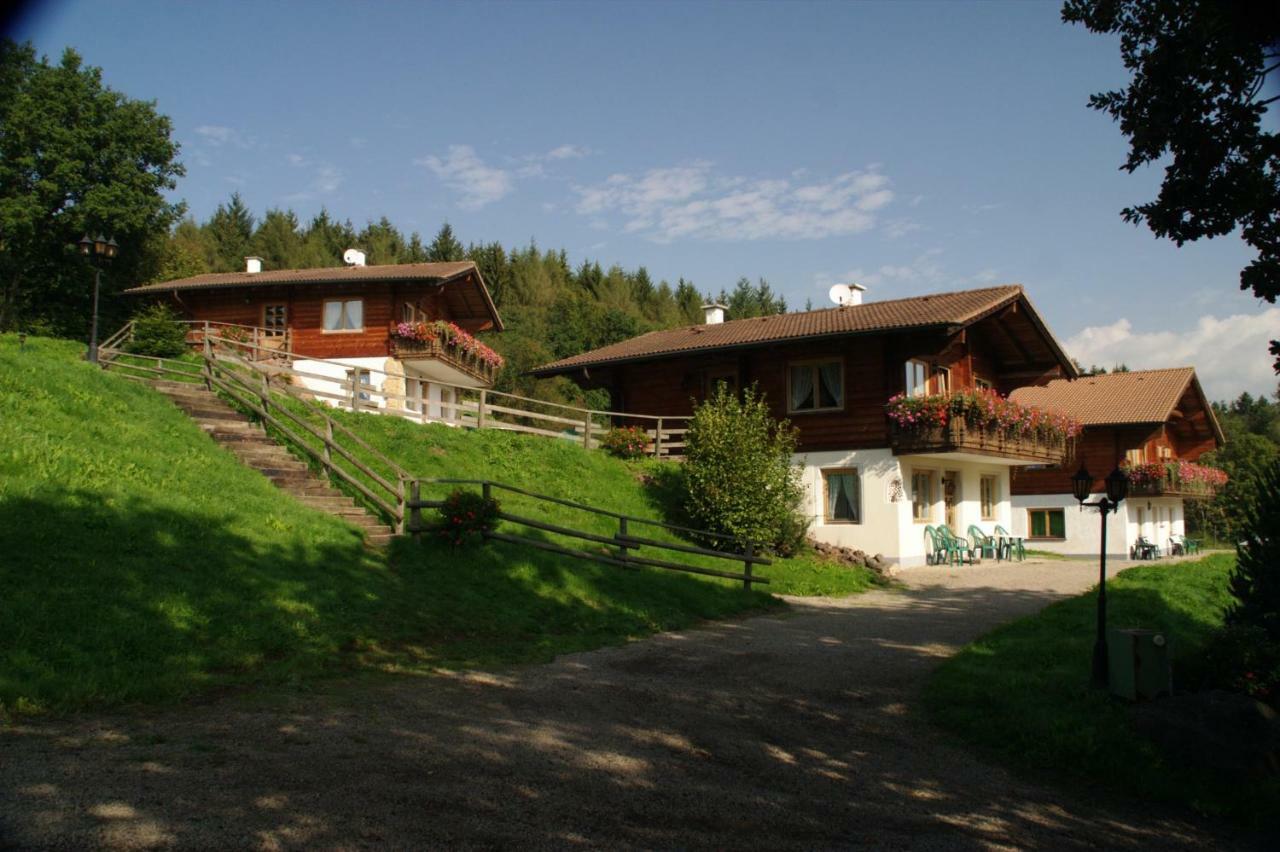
(445, 247)
(1255, 582)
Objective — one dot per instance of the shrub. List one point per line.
(467, 516)
(157, 332)
(627, 442)
(1255, 582)
(1241, 658)
(738, 475)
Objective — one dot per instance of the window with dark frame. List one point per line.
(842, 496)
(274, 317)
(990, 497)
(1047, 523)
(815, 386)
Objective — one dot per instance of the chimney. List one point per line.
(714, 313)
(253, 265)
(855, 294)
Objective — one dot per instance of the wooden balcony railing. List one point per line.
(1172, 486)
(454, 356)
(960, 437)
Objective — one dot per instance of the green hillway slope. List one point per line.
(140, 562)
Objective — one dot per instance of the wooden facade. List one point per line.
(1003, 352)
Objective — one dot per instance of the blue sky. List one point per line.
(912, 147)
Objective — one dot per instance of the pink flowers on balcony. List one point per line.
(981, 409)
(448, 334)
(1176, 474)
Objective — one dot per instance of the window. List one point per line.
(408, 312)
(1047, 523)
(940, 381)
(922, 496)
(413, 392)
(727, 375)
(366, 381)
(1137, 456)
(917, 378)
(273, 317)
(983, 384)
(815, 386)
(344, 315)
(842, 496)
(990, 497)
(1164, 452)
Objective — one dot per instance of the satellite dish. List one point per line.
(353, 257)
(841, 294)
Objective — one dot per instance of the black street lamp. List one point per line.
(100, 251)
(1117, 489)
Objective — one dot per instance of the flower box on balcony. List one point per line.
(1174, 479)
(445, 342)
(960, 437)
(980, 422)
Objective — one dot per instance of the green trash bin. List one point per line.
(1139, 663)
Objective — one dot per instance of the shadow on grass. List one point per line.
(778, 732)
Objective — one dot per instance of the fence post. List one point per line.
(328, 441)
(404, 509)
(622, 534)
(657, 440)
(415, 512)
(748, 552)
(480, 413)
(486, 490)
(208, 360)
(586, 432)
(355, 392)
(265, 393)
(256, 343)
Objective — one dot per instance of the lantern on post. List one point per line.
(1117, 484)
(99, 251)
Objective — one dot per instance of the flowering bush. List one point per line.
(450, 335)
(467, 517)
(627, 442)
(1176, 473)
(981, 409)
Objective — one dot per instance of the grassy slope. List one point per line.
(140, 562)
(1021, 691)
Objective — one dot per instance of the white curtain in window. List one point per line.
(842, 497)
(332, 316)
(832, 395)
(354, 314)
(801, 388)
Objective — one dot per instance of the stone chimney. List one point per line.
(714, 313)
(253, 265)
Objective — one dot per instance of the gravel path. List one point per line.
(776, 732)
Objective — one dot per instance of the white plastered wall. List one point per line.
(336, 369)
(1160, 517)
(887, 527)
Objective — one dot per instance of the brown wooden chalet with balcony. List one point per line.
(1154, 424)
(874, 484)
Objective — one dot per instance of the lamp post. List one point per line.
(1117, 489)
(100, 251)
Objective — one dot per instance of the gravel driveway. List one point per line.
(784, 731)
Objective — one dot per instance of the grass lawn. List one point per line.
(140, 562)
(1021, 692)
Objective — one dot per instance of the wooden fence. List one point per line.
(391, 491)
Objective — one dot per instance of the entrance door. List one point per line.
(949, 497)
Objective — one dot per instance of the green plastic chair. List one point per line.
(957, 549)
(935, 551)
(1013, 545)
(984, 544)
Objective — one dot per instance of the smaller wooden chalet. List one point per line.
(874, 484)
(1154, 424)
(400, 329)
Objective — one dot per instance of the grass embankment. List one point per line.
(140, 562)
(1021, 692)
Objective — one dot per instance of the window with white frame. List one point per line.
(344, 315)
(815, 386)
(365, 380)
(917, 378)
(413, 394)
(842, 496)
(1138, 456)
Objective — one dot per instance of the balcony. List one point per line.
(960, 438)
(429, 346)
(1174, 479)
(981, 425)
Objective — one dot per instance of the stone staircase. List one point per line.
(250, 443)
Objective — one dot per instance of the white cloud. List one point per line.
(216, 136)
(693, 202)
(327, 179)
(296, 160)
(896, 228)
(466, 174)
(1229, 353)
(568, 152)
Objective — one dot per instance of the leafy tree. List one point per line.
(75, 156)
(738, 476)
(1199, 68)
(445, 247)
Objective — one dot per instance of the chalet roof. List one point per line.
(440, 272)
(1120, 399)
(957, 309)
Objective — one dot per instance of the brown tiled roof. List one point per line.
(322, 275)
(1117, 399)
(442, 272)
(940, 309)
